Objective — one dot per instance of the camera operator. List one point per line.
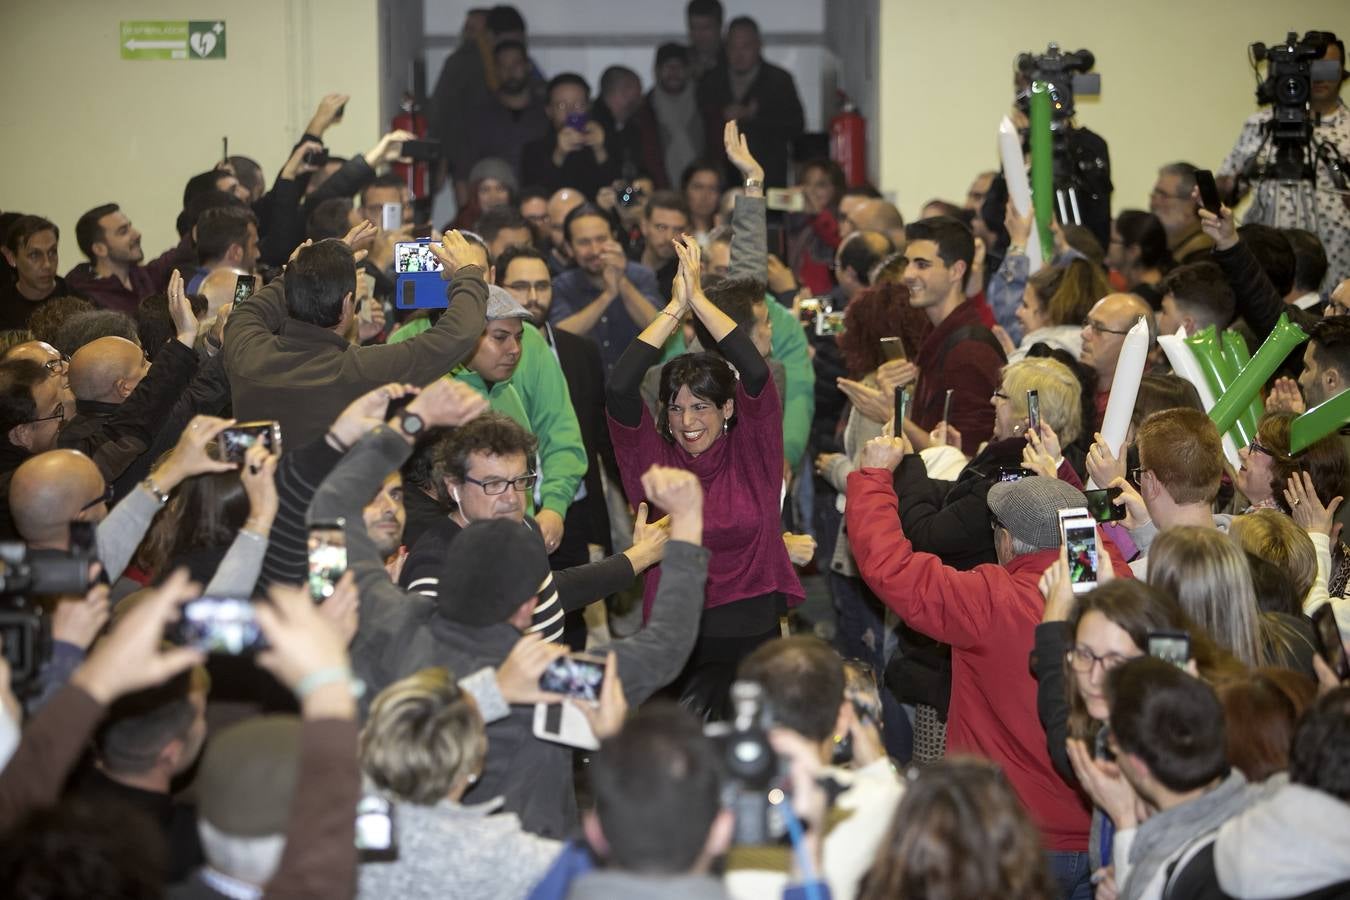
(1320, 205)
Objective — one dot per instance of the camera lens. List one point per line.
(1293, 89)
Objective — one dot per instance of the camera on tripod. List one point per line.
(26, 574)
(1065, 74)
(1291, 68)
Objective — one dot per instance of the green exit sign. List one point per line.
(172, 40)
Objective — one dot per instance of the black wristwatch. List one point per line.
(411, 424)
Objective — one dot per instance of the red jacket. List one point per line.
(989, 616)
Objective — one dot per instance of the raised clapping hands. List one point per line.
(1306, 508)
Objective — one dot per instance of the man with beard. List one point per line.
(523, 271)
(584, 297)
(384, 517)
(510, 118)
(664, 219)
(670, 119)
(114, 277)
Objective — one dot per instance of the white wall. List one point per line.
(82, 126)
(587, 36)
(1175, 82)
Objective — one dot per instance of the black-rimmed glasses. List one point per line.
(495, 486)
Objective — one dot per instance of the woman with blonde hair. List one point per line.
(422, 747)
(1208, 575)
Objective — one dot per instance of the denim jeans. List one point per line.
(1072, 872)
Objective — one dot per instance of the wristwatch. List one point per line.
(754, 182)
(411, 424)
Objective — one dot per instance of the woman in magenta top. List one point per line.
(729, 432)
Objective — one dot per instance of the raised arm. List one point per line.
(653, 657)
(623, 397)
(749, 229)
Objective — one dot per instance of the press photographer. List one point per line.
(1292, 157)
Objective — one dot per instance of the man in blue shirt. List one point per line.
(584, 297)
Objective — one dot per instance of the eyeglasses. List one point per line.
(1255, 447)
(1163, 195)
(58, 413)
(994, 523)
(528, 287)
(1082, 659)
(58, 366)
(999, 395)
(571, 107)
(105, 497)
(1102, 329)
(496, 486)
(1136, 475)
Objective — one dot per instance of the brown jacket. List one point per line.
(303, 375)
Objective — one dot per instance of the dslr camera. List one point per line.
(754, 771)
(26, 574)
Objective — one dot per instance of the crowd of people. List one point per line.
(312, 592)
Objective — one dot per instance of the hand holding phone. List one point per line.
(1329, 644)
(223, 625)
(892, 349)
(1034, 411)
(1209, 191)
(233, 442)
(1170, 646)
(1080, 537)
(576, 675)
(327, 558)
(1102, 506)
(243, 288)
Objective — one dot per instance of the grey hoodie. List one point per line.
(1292, 843)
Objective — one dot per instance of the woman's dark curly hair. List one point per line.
(876, 313)
(708, 377)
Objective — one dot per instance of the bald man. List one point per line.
(218, 289)
(854, 260)
(44, 353)
(123, 403)
(1104, 333)
(51, 490)
(563, 201)
(106, 371)
(875, 214)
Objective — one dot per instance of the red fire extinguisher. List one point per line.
(848, 142)
(417, 175)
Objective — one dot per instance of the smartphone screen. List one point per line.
(327, 559)
(1329, 644)
(574, 676)
(899, 408)
(892, 349)
(422, 151)
(1080, 536)
(233, 442)
(1102, 507)
(1170, 646)
(1014, 473)
(224, 625)
(376, 837)
(1034, 412)
(391, 216)
(243, 288)
(415, 256)
(1209, 191)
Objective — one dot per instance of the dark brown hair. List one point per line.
(1261, 712)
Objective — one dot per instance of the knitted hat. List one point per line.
(496, 169)
(248, 775)
(491, 568)
(1029, 508)
(501, 305)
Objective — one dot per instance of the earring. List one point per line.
(455, 494)
(725, 425)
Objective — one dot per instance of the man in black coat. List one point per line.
(760, 96)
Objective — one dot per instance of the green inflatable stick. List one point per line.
(1323, 419)
(1042, 166)
(1284, 337)
(1219, 373)
(1235, 351)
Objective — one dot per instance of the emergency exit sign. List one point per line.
(173, 40)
